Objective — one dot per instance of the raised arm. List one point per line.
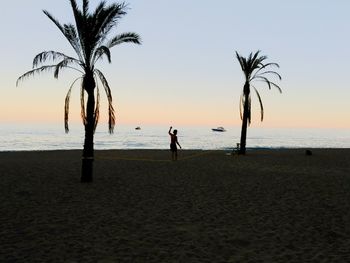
(170, 130)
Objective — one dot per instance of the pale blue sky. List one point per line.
(185, 72)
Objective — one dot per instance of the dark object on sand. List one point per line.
(308, 152)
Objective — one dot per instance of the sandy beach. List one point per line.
(267, 206)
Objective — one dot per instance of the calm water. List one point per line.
(52, 137)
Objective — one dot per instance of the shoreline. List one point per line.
(249, 149)
(266, 206)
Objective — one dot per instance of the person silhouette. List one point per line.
(173, 143)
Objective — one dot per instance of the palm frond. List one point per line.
(85, 7)
(248, 65)
(269, 72)
(66, 110)
(82, 105)
(107, 16)
(256, 61)
(271, 64)
(240, 60)
(102, 50)
(35, 71)
(124, 38)
(264, 79)
(54, 20)
(78, 15)
(50, 55)
(256, 64)
(66, 106)
(111, 115)
(68, 31)
(71, 34)
(64, 64)
(269, 83)
(81, 30)
(263, 66)
(97, 108)
(261, 104)
(241, 103)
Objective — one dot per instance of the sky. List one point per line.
(185, 72)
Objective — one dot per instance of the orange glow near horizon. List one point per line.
(42, 101)
(45, 111)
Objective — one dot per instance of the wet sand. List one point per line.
(267, 206)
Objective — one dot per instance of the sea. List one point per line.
(40, 137)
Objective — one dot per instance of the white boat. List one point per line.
(218, 129)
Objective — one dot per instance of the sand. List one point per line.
(267, 206)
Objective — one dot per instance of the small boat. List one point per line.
(138, 128)
(219, 129)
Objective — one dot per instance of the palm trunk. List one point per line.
(246, 92)
(88, 151)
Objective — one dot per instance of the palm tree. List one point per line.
(254, 69)
(88, 37)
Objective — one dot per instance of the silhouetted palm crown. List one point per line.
(254, 68)
(88, 37)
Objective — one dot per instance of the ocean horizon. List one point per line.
(45, 137)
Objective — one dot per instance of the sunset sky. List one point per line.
(185, 72)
